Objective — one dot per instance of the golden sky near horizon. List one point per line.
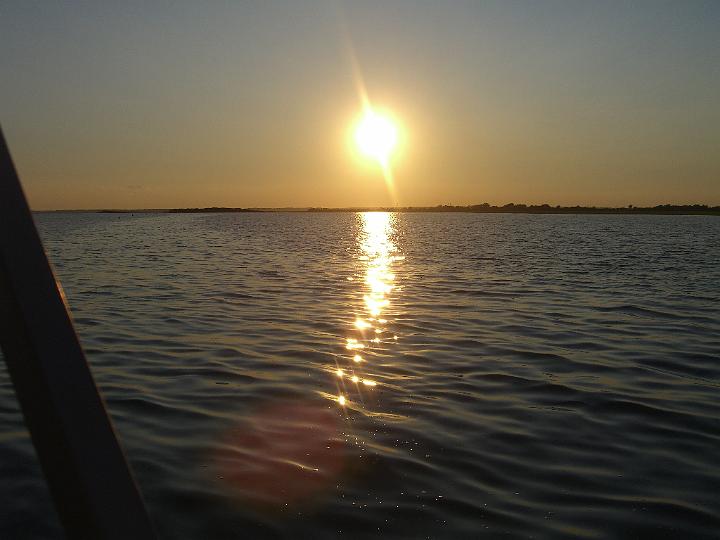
(130, 106)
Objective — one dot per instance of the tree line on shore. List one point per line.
(691, 209)
(547, 209)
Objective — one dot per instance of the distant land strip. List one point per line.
(511, 208)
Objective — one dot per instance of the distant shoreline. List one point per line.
(665, 209)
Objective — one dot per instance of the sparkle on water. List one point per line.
(376, 259)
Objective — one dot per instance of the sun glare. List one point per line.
(376, 136)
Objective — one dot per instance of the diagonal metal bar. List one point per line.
(89, 478)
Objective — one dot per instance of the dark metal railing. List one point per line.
(89, 478)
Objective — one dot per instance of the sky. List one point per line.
(251, 104)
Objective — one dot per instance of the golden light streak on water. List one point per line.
(375, 263)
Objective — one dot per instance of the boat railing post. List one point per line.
(88, 475)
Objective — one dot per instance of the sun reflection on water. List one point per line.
(378, 255)
(287, 452)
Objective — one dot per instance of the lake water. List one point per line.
(350, 375)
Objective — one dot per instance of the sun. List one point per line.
(376, 136)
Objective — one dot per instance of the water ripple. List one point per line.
(518, 376)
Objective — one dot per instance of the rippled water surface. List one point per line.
(349, 375)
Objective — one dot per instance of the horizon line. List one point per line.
(473, 208)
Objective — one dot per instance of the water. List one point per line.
(530, 377)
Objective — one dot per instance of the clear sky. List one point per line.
(179, 104)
